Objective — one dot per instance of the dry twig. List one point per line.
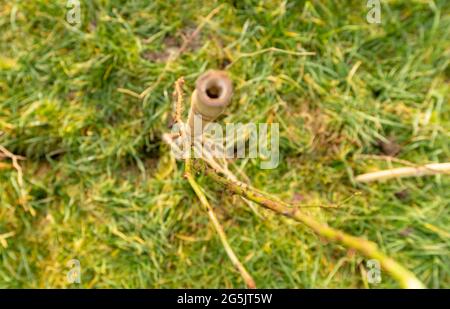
(179, 99)
(15, 162)
(428, 169)
(219, 229)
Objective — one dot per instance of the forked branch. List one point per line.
(405, 278)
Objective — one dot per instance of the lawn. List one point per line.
(83, 109)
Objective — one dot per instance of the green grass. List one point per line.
(106, 191)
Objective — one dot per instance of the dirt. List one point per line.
(173, 43)
(390, 147)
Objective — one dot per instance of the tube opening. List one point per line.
(214, 90)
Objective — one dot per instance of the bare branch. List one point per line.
(367, 248)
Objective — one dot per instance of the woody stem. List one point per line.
(405, 278)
